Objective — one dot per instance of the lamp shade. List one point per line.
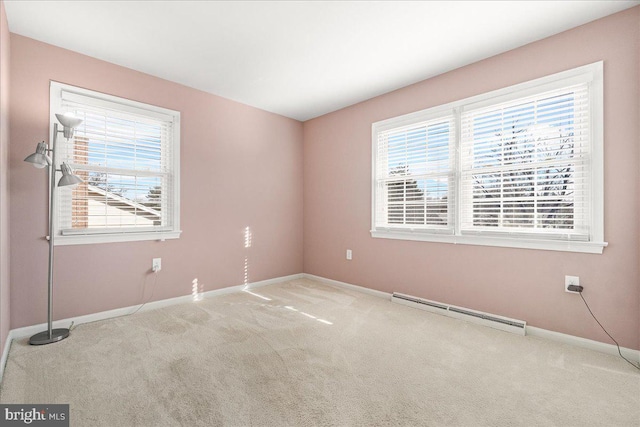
(69, 122)
(39, 159)
(68, 177)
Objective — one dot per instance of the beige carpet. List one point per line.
(302, 353)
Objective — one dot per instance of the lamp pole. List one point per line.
(52, 206)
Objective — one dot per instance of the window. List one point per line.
(414, 174)
(127, 154)
(517, 167)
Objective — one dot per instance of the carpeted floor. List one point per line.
(302, 353)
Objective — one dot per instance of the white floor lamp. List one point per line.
(40, 160)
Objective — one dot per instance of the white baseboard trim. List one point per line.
(633, 355)
(5, 353)
(118, 312)
(344, 285)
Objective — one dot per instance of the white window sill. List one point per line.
(549, 245)
(86, 239)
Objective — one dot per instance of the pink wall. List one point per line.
(524, 284)
(240, 167)
(4, 178)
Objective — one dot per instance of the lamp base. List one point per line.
(44, 338)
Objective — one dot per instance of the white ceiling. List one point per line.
(299, 59)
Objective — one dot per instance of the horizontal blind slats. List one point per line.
(413, 176)
(526, 165)
(516, 162)
(124, 157)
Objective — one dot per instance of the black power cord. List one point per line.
(155, 282)
(579, 291)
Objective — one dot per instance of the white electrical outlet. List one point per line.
(571, 280)
(349, 254)
(156, 265)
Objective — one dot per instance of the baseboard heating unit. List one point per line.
(486, 319)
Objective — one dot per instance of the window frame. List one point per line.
(426, 116)
(592, 74)
(88, 236)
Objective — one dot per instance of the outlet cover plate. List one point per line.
(571, 280)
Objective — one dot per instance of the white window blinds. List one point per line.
(125, 155)
(525, 166)
(518, 167)
(413, 176)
